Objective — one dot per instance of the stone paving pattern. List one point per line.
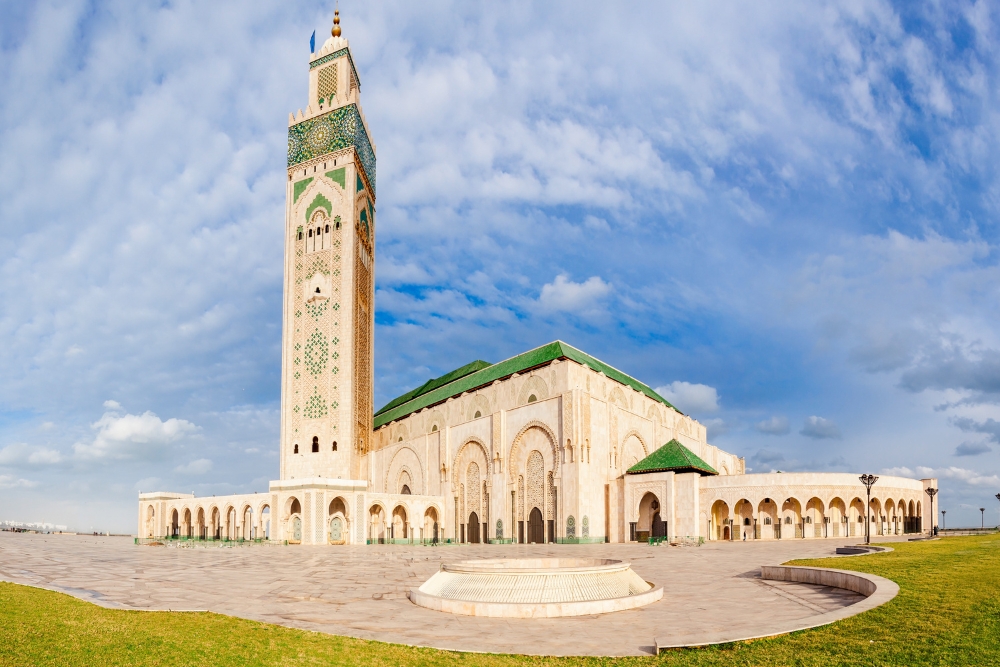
(362, 591)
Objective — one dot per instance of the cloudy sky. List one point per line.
(783, 215)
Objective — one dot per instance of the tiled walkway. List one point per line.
(362, 591)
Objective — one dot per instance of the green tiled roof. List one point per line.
(431, 385)
(479, 374)
(675, 457)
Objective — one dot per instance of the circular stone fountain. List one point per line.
(535, 588)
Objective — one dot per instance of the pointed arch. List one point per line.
(456, 469)
(515, 447)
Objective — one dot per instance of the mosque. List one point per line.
(552, 445)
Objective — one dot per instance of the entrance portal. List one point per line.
(473, 528)
(297, 529)
(536, 532)
(336, 529)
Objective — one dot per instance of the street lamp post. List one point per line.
(868, 481)
(998, 498)
(982, 516)
(944, 523)
(931, 491)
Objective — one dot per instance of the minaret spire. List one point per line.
(336, 22)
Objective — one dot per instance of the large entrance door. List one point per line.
(473, 528)
(297, 529)
(336, 529)
(659, 528)
(536, 531)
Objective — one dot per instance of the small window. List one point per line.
(478, 414)
(315, 443)
(532, 398)
(334, 445)
(317, 291)
(406, 490)
(318, 230)
(434, 428)
(296, 449)
(300, 236)
(400, 439)
(327, 229)
(338, 224)
(788, 520)
(767, 521)
(746, 522)
(310, 233)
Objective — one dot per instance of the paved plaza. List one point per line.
(708, 590)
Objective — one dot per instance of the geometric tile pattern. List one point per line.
(340, 128)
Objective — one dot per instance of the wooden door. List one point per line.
(536, 530)
(473, 528)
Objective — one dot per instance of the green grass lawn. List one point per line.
(947, 613)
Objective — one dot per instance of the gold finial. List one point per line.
(336, 23)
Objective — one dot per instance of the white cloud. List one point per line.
(24, 454)
(819, 428)
(773, 426)
(690, 397)
(565, 295)
(130, 436)
(196, 467)
(11, 482)
(112, 405)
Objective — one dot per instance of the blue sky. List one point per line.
(784, 215)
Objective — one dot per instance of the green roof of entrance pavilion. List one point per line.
(480, 373)
(672, 457)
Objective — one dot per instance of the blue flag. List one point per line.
(312, 43)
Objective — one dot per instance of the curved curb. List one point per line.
(878, 591)
(544, 610)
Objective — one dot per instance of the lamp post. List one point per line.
(931, 491)
(998, 498)
(868, 480)
(982, 516)
(944, 523)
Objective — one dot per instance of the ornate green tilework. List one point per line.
(340, 128)
(338, 176)
(317, 202)
(316, 353)
(361, 185)
(315, 406)
(333, 56)
(316, 309)
(300, 187)
(318, 266)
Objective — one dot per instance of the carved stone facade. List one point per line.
(536, 447)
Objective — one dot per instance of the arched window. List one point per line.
(296, 508)
(296, 449)
(334, 445)
(310, 233)
(328, 229)
(532, 398)
(406, 490)
(434, 428)
(478, 414)
(300, 234)
(315, 443)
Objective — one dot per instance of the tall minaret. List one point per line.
(327, 351)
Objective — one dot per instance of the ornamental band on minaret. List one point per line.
(551, 445)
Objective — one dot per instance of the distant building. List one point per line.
(550, 445)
